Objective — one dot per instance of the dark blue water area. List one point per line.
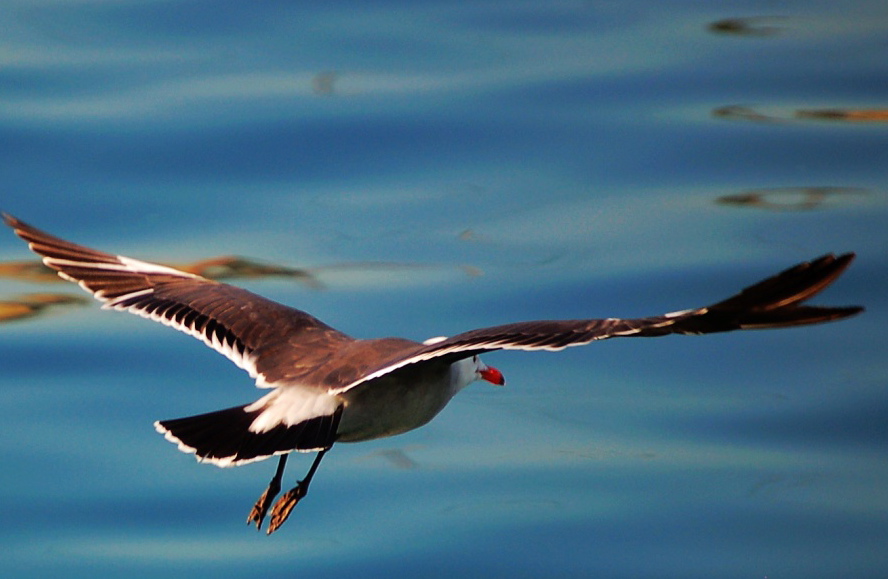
(436, 168)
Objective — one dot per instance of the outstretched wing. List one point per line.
(775, 302)
(253, 332)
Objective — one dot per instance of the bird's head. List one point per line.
(488, 373)
(468, 370)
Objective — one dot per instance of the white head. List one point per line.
(467, 370)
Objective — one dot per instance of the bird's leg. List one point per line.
(257, 515)
(285, 504)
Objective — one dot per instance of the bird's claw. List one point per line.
(284, 506)
(259, 510)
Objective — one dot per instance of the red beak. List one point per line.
(493, 376)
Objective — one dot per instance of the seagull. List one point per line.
(326, 387)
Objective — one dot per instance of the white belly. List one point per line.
(397, 402)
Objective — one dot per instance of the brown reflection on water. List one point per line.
(788, 198)
(748, 26)
(743, 113)
(847, 115)
(747, 113)
(216, 268)
(398, 458)
(324, 83)
(233, 267)
(36, 304)
(32, 271)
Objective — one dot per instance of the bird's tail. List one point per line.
(224, 437)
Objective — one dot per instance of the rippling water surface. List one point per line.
(418, 170)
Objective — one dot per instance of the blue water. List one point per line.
(441, 167)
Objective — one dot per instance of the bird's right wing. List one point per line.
(775, 302)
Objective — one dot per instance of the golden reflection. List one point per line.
(233, 267)
(788, 198)
(750, 26)
(849, 115)
(33, 271)
(218, 268)
(32, 305)
(746, 113)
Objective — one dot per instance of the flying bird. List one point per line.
(326, 387)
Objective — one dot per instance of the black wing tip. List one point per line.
(824, 271)
(12, 221)
(837, 263)
(797, 316)
(843, 312)
(16, 223)
(28, 232)
(780, 300)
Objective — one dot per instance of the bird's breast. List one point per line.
(394, 403)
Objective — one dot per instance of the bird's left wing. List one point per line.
(253, 332)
